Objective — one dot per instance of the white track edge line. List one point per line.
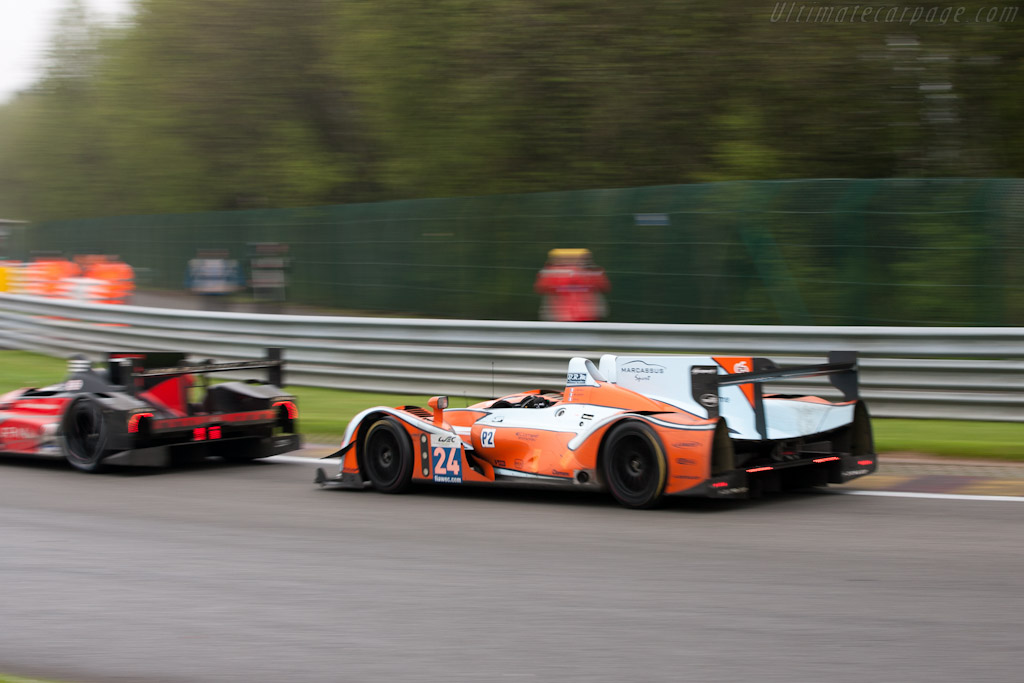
(299, 460)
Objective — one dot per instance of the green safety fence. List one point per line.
(823, 252)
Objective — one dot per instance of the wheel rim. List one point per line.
(634, 469)
(383, 457)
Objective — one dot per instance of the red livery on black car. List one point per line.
(149, 409)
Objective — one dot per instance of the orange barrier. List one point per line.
(118, 278)
(98, 279)
(45, 277)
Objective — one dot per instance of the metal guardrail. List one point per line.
(949, 373)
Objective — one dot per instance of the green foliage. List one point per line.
(223, 104)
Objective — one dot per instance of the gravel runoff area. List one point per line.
(914, 463)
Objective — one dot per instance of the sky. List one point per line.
(25, 27)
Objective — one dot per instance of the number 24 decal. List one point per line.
(447, 461)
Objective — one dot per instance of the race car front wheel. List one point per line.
(386, 458)
(634, 465)
(84, 434)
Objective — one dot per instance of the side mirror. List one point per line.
(438, 404)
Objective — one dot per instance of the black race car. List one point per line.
(151, 409)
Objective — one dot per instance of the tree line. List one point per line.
(197, 105)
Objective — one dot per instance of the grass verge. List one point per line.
(324, 413)
(951, 438)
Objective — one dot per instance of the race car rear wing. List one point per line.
(841, 369)
(125, 368)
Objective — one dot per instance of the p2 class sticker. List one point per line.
(487, 438)
(446, 458)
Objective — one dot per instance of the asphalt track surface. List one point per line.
(221, 572)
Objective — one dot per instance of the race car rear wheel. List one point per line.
(84, 434)
(634, 465)
(386, 457)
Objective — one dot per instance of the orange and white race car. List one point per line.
(641, 426)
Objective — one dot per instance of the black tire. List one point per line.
(634, 465)
(386, 457)
(84, 434)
